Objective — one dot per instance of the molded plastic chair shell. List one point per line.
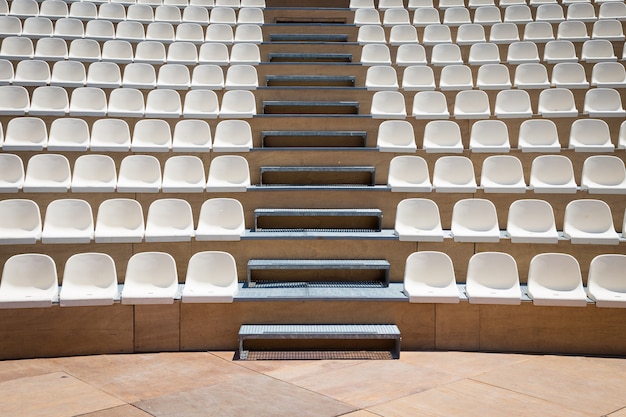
(409, 174)
(369, 34)
(484, 53)
(29, 281)
(241, 77)
(569, 75)
(403, 34)
(559, 51)
(489, 136)
(410, 54)
(89, 279)
(211, 278)
(609, 75)
(396, 136)
(604, 174)
(388, 105)
(417, 220)
(552, 174)
(20, 222)
(425, 16)
(120, 220)
(68, 134)
(538, 135)
(492, 278)
(472, 104)
(502, 174)
(531, 76)
(493, 77)
(14, 100)
(139, 173)
(25, 134)
(429, 278)
(47, 173)
(94, 174)
(418, 78)
(554, 279)
(531, 221)
(151, 136)
(475, 220)
(169, 220)
(454, 174)
(375, 54)
(381, 77)
(68, 221)
(12, 173)
(590, 135)
(442, 136)
(245, 53)
(163, 103)
(192, 136)
(238, 104)
(606, 284)
(183, 174)
(430, 105)
(88, 101)
(228, 173)
(151, 278)
(232, 136)
(589, 222)
(512, 104)
(456, 77)
(221, 219)
(603, 102)
(110, 135)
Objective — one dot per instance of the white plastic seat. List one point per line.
(6, 72)
(417, 220)
(612, 10)
(513, 104)
(228, 173)
(375, 54)
(167, 13)
(605, 281)
(53, 9)
(140, 12)
(474, 4)
(114, 12)
(538, 32)
(472, 104)
(569, 75)
(120, 220)
(49, 101)
(191, 33)
(20, 222)
(559, 51)
(37, 27)
(250, 16)
(442, 136)
(238, 104)
(361, 4)
(131, 31)
(402, 34)
(366, 16)
(225, 15)
(518, 14)
(163, 103)
(608, 29)
(454, 174)
(429, 278)
(456, 77)
(29, 281)
(221, 219)
(51, 49)
(589, 222)
(47, 173)
(104, 75)
(446, 4)
(94, 173)
(110, 135)
(396, 136)
(14, 100)
(621, 137)
(24, 8)
(597, 50)
(487, 15)
(241, 77)
(10, 26)
(557, 102)
(14, 47)
(219, 33)
(381, 77)
(174, 76)
(245, 53)
(470, 33)
(552, 174)
(183, 174)
(603, 102)
(126, 102)
(151, 52)
(436, 34)
(219, 286)
(201, 104)
(396, 16)
(418, 78)
(232, 136)
(493, 77)
(192, 136)
(608, 75)
(99, 30)
(456, 16)
(69, 28)
(68, 221)
(531, 221)
(409, 174)
(68, 74)
(83, 10)
(572, 30)
(522, 52)
(475, 220)
(169, 220)
(503, 33)
(554, 279)
(12, 173)
(196, 14)
(446, 54)
(151, 278)
(583, 12)
(25, 134)
(390, 4)
(590, 135)
(139, 75)
(550, 13)
(489, 136)
(213, 53)
(88, 101)
(430, 105)
(492, 278)
(139, 173)
(604, 174)
(160, 32)
(89, 279)
(31, 72)
(425, 16)
(115, 51)
(410, 55)
(531, 77)
(502, 174)
(388, 105)
(68, 134)
(483, 54)
(151, 136)
(86, 50)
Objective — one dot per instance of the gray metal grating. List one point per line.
(320, 284)
(317, 355)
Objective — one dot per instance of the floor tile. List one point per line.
(122, 411)
(22, 368)
(472, 399)
(52, 395)
(136, 377)
(462, 364)
(360, 413)
(619, 413)
(239, 396)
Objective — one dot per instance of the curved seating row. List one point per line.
(472, 4)
(527, 76)
(103, 30)
(518, 52)
(119, 220)
(137, 174)
(529, 221)
(136, 75)
(121, 52)
(516, 103)
(492, 136)
(117, 12)
(90, 279)
(554, 279)
(125, 102)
